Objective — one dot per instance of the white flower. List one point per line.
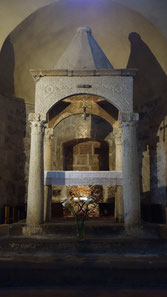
(89, 200)
(64, 201)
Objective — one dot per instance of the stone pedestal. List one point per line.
(131, 188)
(48, 166)
(35, 207)
(117, 133)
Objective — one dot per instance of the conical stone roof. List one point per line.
(83, 53)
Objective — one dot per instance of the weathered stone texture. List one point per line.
(152, 149)
(14, 150)
(116, 89)
(75, 141)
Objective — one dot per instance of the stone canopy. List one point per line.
(83, 69)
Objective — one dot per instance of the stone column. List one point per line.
(117, 133)
(35, 203)
(48, 167)
(131, 188)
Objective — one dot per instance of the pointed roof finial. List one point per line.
(83, 53)
(84, 28)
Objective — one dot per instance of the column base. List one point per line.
(119, 220)
(135, 231)
(31, 230)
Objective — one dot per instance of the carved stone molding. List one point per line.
(37, 117)
(129, 118)
(116, 90)
(37, 121)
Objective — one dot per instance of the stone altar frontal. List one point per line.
(79, 178)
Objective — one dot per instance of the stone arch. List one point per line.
(73, 106)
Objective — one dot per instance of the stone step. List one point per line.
(91, 228)
(105, 228)
(107, 257)
(83, 271)
(58, 244)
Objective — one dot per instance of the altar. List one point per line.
(82, 178)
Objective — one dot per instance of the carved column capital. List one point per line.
(37, 117)
(37, 121)
(129, 118)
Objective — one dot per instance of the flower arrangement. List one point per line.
(80, 214)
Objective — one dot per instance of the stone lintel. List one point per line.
(37, 74)
(83, 178)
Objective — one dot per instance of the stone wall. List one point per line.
(152, 144)
(86, 156)
(27, 140)
(78, 134)
(153, 159)
(150, 93)
(14, 150)
(153, 177)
